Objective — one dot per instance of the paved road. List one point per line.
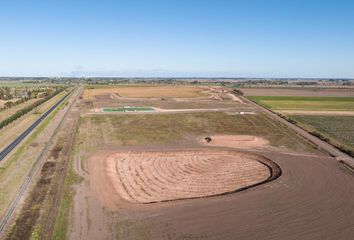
(323, 145)
(18, 140)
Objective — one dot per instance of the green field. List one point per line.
(127, 109)
(305, 103)
(338, 128)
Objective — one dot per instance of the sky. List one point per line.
(177, 38)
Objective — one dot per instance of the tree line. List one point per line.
(27, 109)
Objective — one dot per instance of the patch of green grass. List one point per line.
(305, 103)
(338, 128)
(36, 232)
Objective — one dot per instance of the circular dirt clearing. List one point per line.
(147, 177)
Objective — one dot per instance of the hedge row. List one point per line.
(27, 109)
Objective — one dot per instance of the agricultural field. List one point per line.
(127, 161)
(147, 129)
(340, 129)
(305, 103)
(208, 97)
(300, 92)
(146, 91)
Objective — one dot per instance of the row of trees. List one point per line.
(23, 94)
(27, 109)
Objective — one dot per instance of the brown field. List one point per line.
(307, 92)
(147, 92)
(146, 177)
(236, 141)
(206, 98)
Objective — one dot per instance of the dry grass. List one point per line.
(140, 91)
(149, 129)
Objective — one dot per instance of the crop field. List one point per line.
(339, 128)
(141, 91)
(301, 92)
(305, 103)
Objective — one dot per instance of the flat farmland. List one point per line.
(338, 128)
(142, 91)
(149, 129)
(305, 103)
(157, 176)
(176, 103)
(302, 92)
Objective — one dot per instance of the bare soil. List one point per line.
(236, 141)
(301, 204)
(146, 177)
(148, 91)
